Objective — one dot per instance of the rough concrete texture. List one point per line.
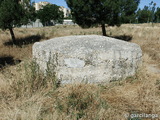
(89, 58)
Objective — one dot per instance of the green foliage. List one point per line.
(148, 14)
(78, 102)
(157, 15)
(30, 14)
(50, 12)
(129, 8)
(89, 13)
(144, 15)
(10, 14)
(75, 103)
(34, 80)
(14, 14)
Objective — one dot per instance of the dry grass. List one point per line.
(26, 95)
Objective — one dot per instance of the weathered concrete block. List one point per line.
(89, 58)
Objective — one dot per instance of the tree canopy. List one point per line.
(50, 12)
(144, 15)
(14, 14)
(157, 15)
(128, 9)
(88, 13)
(148, 13)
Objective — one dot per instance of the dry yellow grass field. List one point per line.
(26, 95)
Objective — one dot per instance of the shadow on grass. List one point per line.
(8, 61)
(123, 37)
(25, 41)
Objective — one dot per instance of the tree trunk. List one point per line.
(12, 35)
(104, 30)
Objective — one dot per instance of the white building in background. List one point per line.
(66, 11)
(40, 5)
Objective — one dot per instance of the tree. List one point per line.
(144, 15)
(157, 15)
(30, 14)
(152, 7)
(50, 12)
(12, 14)
(147, 14)
(88, 13)
(129, 8)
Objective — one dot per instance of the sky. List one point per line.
(146, 2)
(63, 3)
